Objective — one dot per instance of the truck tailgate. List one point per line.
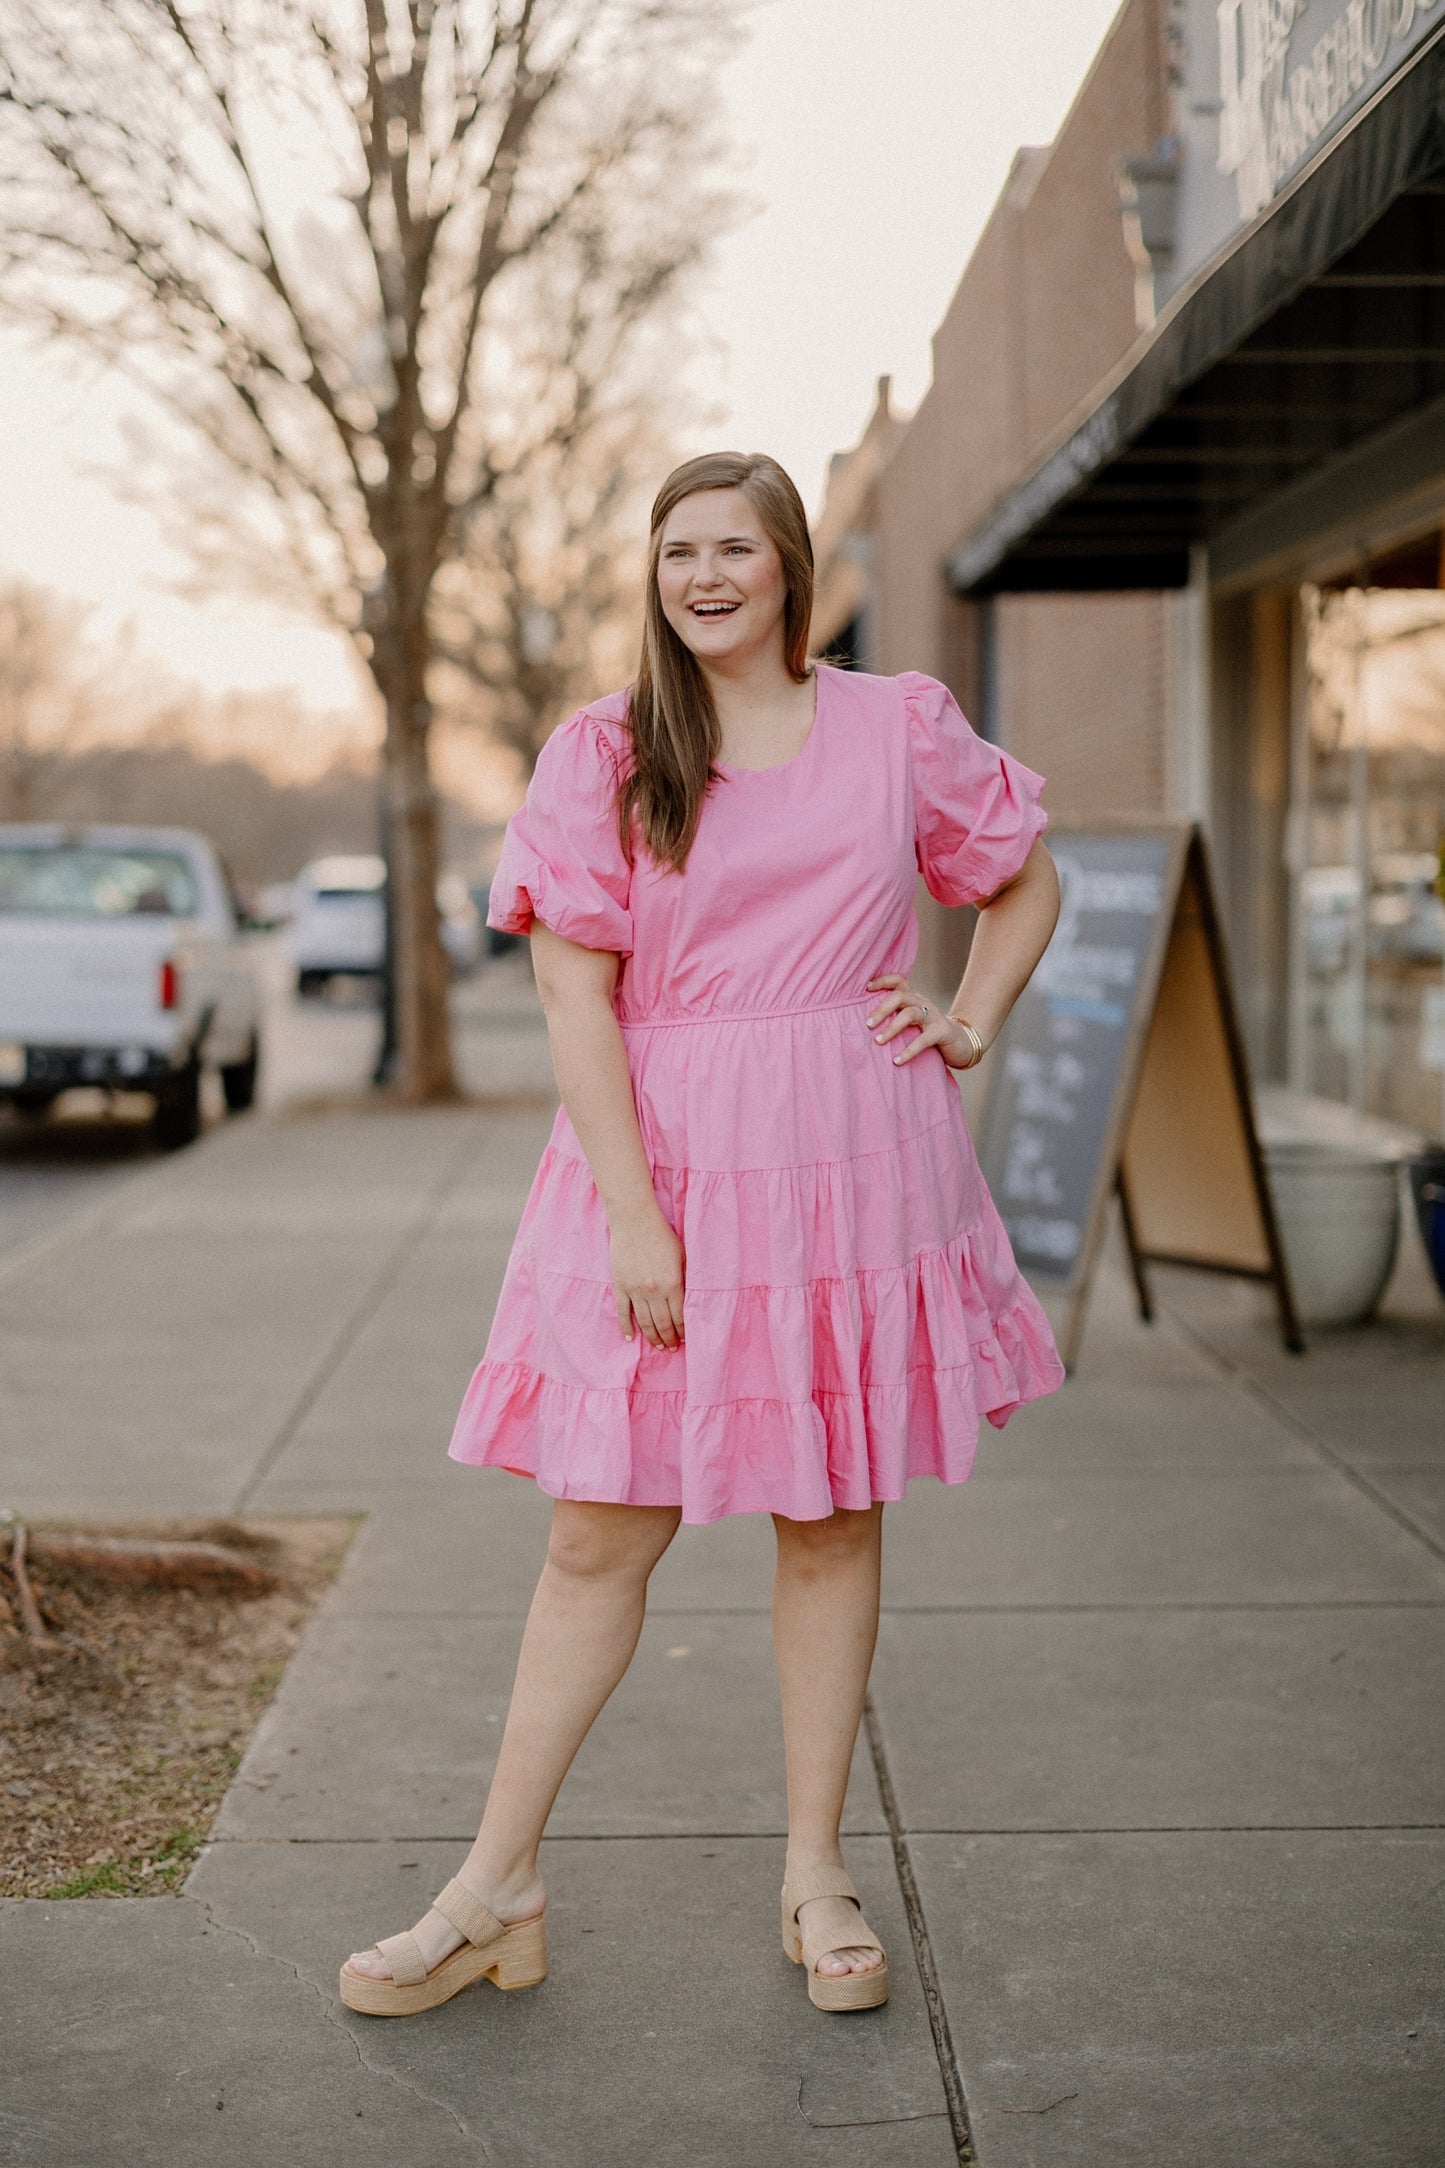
(90, 982)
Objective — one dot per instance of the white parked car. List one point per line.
(338, 920)
(337, 926)
(1407, 917)
(464, 932)
(123, 963)
(273, 905)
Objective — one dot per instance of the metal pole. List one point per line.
(1359, 977)
(387, 1047)
(374, 608)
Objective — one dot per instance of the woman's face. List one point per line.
(720, 578)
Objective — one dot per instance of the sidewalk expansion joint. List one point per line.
(560, 1836)
(1107, 1610)
(330, 2014)
(1027, 1830)
(355, 1325)
(1308, 1435)
(1186, 1607)
(943, 2048)
(953, 1829)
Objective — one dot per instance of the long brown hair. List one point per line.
(674, 725)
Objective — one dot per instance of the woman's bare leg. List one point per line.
(581, 1631)
(825, 1622)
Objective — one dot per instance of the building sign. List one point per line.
(1258, 89)
(1291, 70)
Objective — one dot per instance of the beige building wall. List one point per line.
(843, 533)
(1077, 685)
(1084, 691)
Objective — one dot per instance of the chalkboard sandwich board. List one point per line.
(1122, 1070)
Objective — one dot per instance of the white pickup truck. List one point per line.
(123, 964)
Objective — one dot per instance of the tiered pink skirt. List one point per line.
(852, 1304)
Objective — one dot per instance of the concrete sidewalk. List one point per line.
(1152, 1802)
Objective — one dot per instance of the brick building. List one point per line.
(1181, 458)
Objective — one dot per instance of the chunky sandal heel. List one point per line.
(839, 1990)
(508, 1956)
(522, 1961)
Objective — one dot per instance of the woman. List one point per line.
(758, 1270)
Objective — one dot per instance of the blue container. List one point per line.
(1427, 1185)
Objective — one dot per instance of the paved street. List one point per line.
(1152, 1794)
(314, 1050)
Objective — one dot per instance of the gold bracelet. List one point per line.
(964, 1025)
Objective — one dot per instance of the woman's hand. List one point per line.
(901, 1007)
(577, 986)
(647, 1271)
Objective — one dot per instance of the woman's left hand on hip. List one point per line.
(899, 1007)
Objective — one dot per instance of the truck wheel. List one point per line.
(178, 1110)
(238, 1080)
(33, 1106)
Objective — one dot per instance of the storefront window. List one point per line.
(1368, 978)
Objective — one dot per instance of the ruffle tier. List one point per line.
(850, 1320)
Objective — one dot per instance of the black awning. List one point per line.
(1325, 324)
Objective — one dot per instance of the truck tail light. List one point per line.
(169, 989)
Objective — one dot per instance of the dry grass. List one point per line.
(120, 1734)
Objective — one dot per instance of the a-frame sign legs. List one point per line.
(1183, 1154)
(1131, 1244)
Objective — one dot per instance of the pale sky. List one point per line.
(875, 137)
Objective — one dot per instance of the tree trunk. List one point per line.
(421, 973)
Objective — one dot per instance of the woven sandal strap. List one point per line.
(811, 1882)
(468, 1914)
(403, 1953)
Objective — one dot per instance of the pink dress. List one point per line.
(852, 1306)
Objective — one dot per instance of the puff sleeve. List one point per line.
(562, 861)
(976, 810)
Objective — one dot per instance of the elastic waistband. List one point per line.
(737, 1016)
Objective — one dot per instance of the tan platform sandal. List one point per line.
(838, 1990)
(507, 1956)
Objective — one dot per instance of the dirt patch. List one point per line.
(120, 1733)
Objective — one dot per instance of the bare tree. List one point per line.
(294, 224)
(541, 605)
(94, 729)
(37, 696)
(61, 688)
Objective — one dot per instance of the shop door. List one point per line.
(1367, 1023)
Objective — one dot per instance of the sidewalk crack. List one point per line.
(330, 2014)
(869, 2122)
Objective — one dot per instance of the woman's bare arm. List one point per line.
(576, 985)
(1013, 931)
(1014, 928)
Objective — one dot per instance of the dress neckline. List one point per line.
(780, 767)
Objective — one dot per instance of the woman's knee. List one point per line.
(817, 1546)
(603, 1542)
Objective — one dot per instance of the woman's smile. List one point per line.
(720, 579)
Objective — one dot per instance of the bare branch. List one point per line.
(388, 264)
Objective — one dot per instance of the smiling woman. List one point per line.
(758, 1271)
(730, 578)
